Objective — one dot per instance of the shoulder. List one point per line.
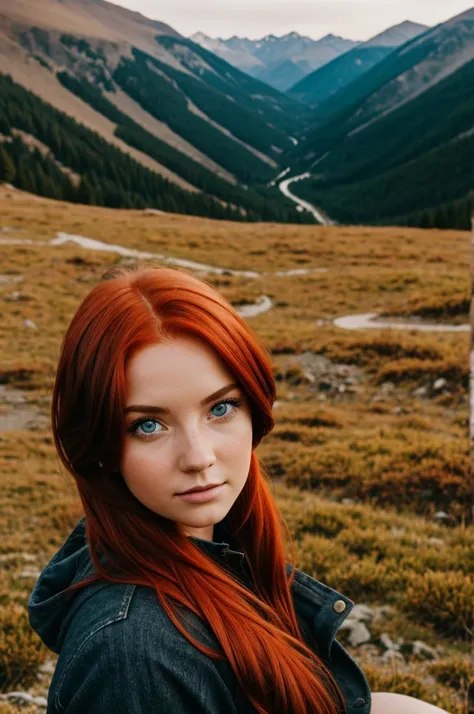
(122, 652)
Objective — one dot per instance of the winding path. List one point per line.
(262, 305)
(284, 188)
(369, 321)
(92, 244)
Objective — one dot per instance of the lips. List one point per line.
(197, 489)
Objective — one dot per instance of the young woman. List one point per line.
(173, 593)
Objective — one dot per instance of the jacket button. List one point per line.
(359, 703)
(339, 606)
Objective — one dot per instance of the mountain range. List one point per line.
(102, 105)
(279, 61)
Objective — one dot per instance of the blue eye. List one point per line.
(145, 428)
(146, 424)
(217, 406)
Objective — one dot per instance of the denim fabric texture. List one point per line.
(119, 653)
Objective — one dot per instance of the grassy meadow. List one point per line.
(368, 444)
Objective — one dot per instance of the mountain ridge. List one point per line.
(334, 76)
(277, 61)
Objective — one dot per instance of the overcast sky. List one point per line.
(352, 19)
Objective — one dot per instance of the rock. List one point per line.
(30, 573)
(397, 532)
(14, 297)
(382, 610)
(420, 392)
(25, 698)
(348, 502)
(388, 643)
(387, 387)
(47, 667)
(6, 279)
(420, 649)
(362, 612)
(436, 541)
(439, 384)
(358, 634)
(30, 323)
(391, 655)
(27, 557)
(399, 410)
(443, 517)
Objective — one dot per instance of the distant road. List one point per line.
(284, 188)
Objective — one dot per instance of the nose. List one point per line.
(196, 454)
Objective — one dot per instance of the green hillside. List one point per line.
(435, 117)
(431, 190)
(274, 107)
(415, 163)
(401, 60)
(321, 84)
(108, 176)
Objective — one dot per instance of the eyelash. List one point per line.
(134, 425)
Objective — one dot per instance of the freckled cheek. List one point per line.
(141, 463)
(238, 446)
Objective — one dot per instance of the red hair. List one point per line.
(257, 631)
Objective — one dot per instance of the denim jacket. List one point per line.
(119, 652)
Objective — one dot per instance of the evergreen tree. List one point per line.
(7, 167)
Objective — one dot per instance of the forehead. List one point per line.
(183, 364)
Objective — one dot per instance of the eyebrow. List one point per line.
(141, 408)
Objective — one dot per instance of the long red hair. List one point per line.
(257, 631)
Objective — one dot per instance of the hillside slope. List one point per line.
(171, 105)
(317, 87)
(405, 73)
(414, 165)
(396, 146)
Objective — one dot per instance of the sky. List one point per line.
(352, 19)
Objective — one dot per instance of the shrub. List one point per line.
(21, 651)
(363, 580)
(453, 671)
(318, 556)
(443, 599)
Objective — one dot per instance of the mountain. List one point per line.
(240, 58)
(406, 72)
(340, 72)
(411, 164)
(165, 102)
(277, 61)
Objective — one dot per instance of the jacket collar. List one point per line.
(316, 604)
(322, 608)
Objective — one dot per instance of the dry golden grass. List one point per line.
(400, 455)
